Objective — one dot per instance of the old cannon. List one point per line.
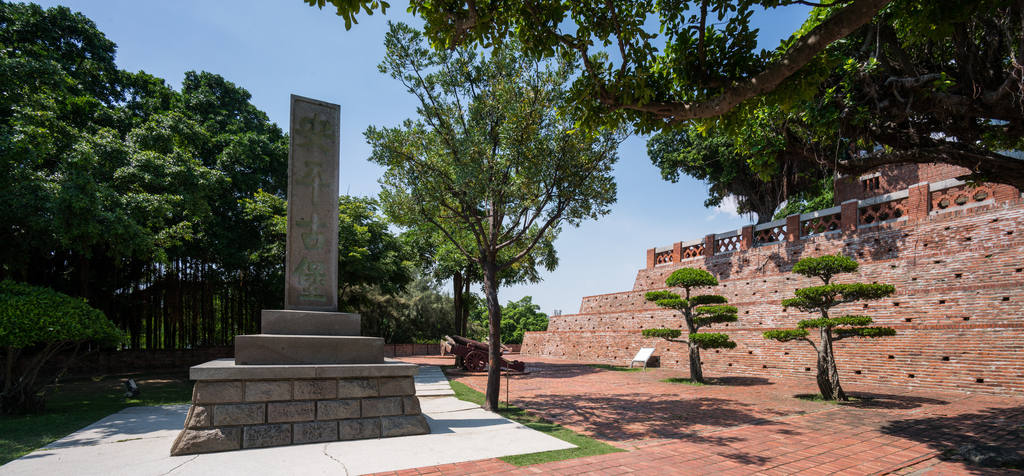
(474, 354)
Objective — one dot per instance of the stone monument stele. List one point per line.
(309, 377)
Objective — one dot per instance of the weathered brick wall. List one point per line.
(958, 309)
(969, 357)
(898, 177)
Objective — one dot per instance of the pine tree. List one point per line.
(820, 299)
(698, 311)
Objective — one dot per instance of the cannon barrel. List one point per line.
(470, 343)
(475, 354)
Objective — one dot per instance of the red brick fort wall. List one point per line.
(958, 310)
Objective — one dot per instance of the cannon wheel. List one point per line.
(475, 361)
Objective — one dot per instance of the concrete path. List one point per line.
(137, 442)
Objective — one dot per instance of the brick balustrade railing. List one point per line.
(914, 203)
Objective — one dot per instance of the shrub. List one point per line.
(42, 322)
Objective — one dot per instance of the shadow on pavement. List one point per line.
(1002, 426)
(635, 416)
(881, 401)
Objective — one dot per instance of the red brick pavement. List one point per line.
(747, 426)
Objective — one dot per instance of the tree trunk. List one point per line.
(83, 276)
(457, 304)
(8, 370)
(828, 373)
(491, 397)
(696, 374)
(465, 309)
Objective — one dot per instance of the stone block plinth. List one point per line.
(309, 323)
(257, 406)
(267, 349)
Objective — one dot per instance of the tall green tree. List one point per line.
(442, 260)
(117, 188)
(517, 318)
(820, 198)
(698, 311)
(820, 300)
(419, 313)
(369, 254)
(922, 82)
(489, 157)
(520, 317)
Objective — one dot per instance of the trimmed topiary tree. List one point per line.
(819, 299)
(698, 311)
(46, 322)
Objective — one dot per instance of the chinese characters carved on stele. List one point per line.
(311, 263)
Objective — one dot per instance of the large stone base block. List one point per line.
(257, 406)
(309, 323)
(267, 349)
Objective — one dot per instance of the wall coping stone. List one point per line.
(698, 241)
(226, 369)
(821, 213)
(948, 183)
(728, 234)
(867, 202)
(771, 224)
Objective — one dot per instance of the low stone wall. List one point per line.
(255, 413)
(135, 360)
(400, 350)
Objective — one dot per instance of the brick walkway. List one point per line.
(747, 425)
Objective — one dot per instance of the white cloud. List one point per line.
(728, 207)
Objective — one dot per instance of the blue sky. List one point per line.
(282, 47)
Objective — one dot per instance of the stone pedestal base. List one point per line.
(256, 406)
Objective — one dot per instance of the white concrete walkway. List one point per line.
(137, 442)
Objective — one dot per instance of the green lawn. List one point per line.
(81, 402)
(586, 446)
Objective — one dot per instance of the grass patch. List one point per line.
(684, 381)
(816, 397)
(585, 445)
(78, 403)
(616, 369)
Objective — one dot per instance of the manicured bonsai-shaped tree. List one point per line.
(698, 311)
(819, 299)
(47, 322)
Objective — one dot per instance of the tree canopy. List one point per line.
(929, 80)
(714, 159)
(164, 208)
(698, 65)
(489, 163)
(517, 318)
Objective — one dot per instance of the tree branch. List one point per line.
(841, 24)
